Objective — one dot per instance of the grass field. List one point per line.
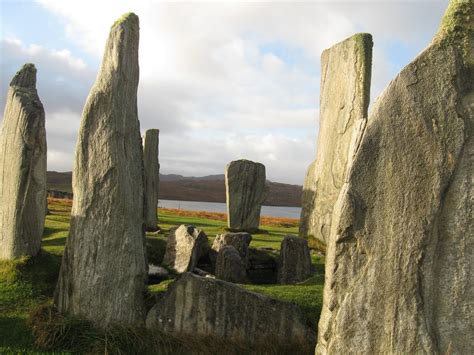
(27, 283)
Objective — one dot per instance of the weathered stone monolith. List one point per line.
(22, 168)
(186, 245)
(152, 177)
(345, 95)
(239, 241)
(400, 263)
(199, 307)
(294, 264)
(245, 193)
(103, 271)
(230, 266)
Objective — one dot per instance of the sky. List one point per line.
(221, 80)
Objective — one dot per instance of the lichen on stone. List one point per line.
(124, 18)
(457, 25)
(364, 44)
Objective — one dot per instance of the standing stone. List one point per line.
(103, 271)
(200, 307)
(23, 168)
(295, 261)
(239, 241)
(245, 193)
(186, 245)
(400, 263)
(152, 177)
(230, 266)
(345, 95)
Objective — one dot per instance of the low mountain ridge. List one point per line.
(210, 188)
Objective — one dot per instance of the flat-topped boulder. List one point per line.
(230, 266)
(239, 240)
(400, 261)
(245, 193)
(345, 95)
(23, 168)
(104, 270)
(186, 246)
(202, 307)
(294, 264)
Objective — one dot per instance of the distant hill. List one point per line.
(209, 188)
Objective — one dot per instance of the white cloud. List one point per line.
(221, 81)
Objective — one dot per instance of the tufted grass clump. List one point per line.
(55, 331)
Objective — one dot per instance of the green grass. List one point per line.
(271, 237)
(28, 283)
(24, 285)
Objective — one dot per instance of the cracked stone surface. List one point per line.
(345, 95)
(104, 268)
(400, 260)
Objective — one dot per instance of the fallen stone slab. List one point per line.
(202, 307)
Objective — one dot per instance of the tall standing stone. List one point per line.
(103, 271)
(245, 193)
(400, 263)
(345, 95)
(152, 177)
(23, 168)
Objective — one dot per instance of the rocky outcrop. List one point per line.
(239, 241)
(23, 168)
(230, 266)
(152, 177)
(104, 269)
(245, 193)
(400, 263)
(294, 264)
(204, 307)
(186, 245)
(345, 94)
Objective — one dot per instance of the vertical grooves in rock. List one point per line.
(400, 262)
(23, 164)
(345, 95)
(104, 269)
(245, 193)
(152, 177)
